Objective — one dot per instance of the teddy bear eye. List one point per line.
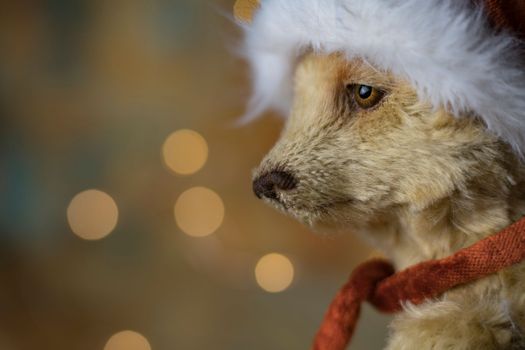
(365, 96)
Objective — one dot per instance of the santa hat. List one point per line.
(464, 55)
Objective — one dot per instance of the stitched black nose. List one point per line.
(267, 184)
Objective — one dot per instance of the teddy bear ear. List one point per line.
(244, 10)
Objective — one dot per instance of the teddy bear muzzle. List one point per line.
(268, 184)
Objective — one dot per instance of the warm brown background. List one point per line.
(89, 91)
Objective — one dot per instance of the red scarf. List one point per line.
(376, 282)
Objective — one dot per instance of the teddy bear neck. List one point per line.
(448, 226)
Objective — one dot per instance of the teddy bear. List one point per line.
(405, 124)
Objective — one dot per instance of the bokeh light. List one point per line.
(185, 152)
(92, 214)
(127, 340)
(199, 211)
(274, 272)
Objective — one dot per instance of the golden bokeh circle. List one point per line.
(127, 340)
(92, 214)
(199, 212)
(274, 272)
(185, 152)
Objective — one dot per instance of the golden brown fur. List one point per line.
(417, 183)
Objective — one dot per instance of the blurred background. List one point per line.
(127, 219)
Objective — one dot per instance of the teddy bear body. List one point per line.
(416, 182)
(405, 125)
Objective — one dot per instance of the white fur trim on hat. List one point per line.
(445, 48)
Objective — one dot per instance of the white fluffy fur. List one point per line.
(445, 48)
